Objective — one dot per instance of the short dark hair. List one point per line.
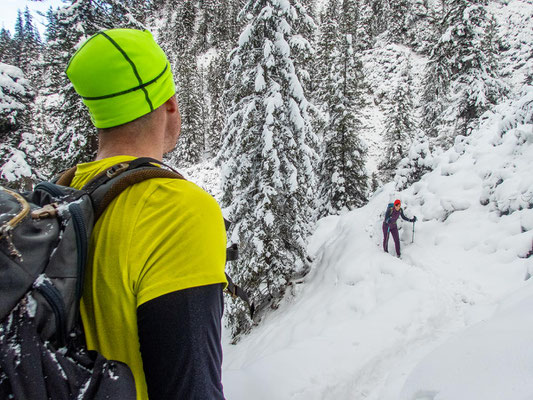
(138, 123)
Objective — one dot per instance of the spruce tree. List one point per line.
(399, 125)
(372, 21)
(207, 11)
(418, 162)
(343, 181)
(7, 47)
(462, 79)
(374, 182)
(215, 89)
(31, 49)
(177, 29)
(397, 20)
(16, 97)
(268, 161)
(189, 93)
(18, 40)
(423, 28)
(227, 26)
(180, 39)
(32, 40)
(302, 52)
(326, 43)
(365, 33)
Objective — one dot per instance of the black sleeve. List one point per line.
(179, 335)
(403, 216)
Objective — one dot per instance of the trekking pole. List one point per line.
(413, 237)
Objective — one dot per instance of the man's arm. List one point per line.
(179, 336)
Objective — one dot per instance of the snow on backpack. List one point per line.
(44, 236)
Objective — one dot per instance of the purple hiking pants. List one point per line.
(393, 229)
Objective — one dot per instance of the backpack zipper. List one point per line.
(53, 297)
(81, 243)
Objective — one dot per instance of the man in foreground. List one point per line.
(153, 289)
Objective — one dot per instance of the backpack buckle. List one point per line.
(232, 290)
(48, 211)
(117, 170)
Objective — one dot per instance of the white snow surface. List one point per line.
(450, 320)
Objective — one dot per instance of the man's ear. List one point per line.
(171, 105)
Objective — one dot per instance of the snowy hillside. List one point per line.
(366, 325)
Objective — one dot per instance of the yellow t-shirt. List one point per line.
(157, 237)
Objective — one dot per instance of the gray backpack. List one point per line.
(44, 237)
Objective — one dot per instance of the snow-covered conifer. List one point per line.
(216, 73)
(7, 47)
(177, 29)
(268, 179)
(422, 26)
(462, 79)
(418, 162)
(207, 11)
(364, 34)
(189, 93)
(16, 97)
(327, 40)
(18, 39)
(343, 178)
(397, 20)
(399, 125)
(377, 15)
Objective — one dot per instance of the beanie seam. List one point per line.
(134, 68)
(133, 89)
(77, 51)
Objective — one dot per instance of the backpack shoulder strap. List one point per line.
(65, 177)
(106, 186)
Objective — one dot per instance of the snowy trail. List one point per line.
(364, 319)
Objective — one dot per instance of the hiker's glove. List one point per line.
(414, 219)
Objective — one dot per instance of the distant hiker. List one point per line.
(153, 290)
(394, 211)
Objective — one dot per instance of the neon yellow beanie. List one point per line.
(121, 75)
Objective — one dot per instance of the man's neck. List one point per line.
(123, 143)
(107, 153)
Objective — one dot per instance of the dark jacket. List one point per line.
(392, 215)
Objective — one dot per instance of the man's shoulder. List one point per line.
(177, 194)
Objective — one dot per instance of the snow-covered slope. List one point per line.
(363, 320)
(491, 360)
